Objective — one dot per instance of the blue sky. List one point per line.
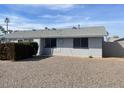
(58, 16)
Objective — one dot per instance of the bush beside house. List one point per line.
(17, 51)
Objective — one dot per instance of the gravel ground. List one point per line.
(63, 72)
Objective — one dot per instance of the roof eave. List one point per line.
(53, 37)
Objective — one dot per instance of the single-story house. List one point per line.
(83, 42)
(112, 39)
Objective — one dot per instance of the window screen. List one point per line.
(80, 43)
(50, 42)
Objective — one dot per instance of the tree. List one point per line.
(2, 30)
(6, 21)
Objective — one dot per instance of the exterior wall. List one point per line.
(113, 49)
(40, 45)
(65, 48)
(13, 40)
(95, 47)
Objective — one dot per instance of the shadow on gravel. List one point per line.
(35, 58)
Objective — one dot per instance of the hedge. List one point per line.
(17, 51)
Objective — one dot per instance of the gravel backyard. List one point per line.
(63, 72)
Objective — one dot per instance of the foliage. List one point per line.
(17, 51)
(2, 29)
(7, 20)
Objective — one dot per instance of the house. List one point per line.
(112, 39)
(83, 42)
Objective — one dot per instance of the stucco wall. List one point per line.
(113, 49)
(13, 40)
(65, 48)
(40, 45)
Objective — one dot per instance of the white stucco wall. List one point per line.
(65, 48)
(40, 46)
(13, 40)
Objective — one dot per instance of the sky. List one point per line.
(32, 16)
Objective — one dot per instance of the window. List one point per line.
(47, 43)
(76, 43)
(50, 42)
(80, 43)
(53, 42)
(84, 42)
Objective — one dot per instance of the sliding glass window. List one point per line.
(50, 42)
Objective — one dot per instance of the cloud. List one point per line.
(60, 6)
(87, 18)
(21, 23)
(58, 18)
(65, 18)
(35, 8)
(18, 22)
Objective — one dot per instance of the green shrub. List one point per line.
(17, 51)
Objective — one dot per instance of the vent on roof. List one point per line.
(46, 28)
(74, 27)
(33, 29)
(53, 28)
(15, 31)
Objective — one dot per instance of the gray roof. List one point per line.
(120, 39)
(98, 31)
(112, 39)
